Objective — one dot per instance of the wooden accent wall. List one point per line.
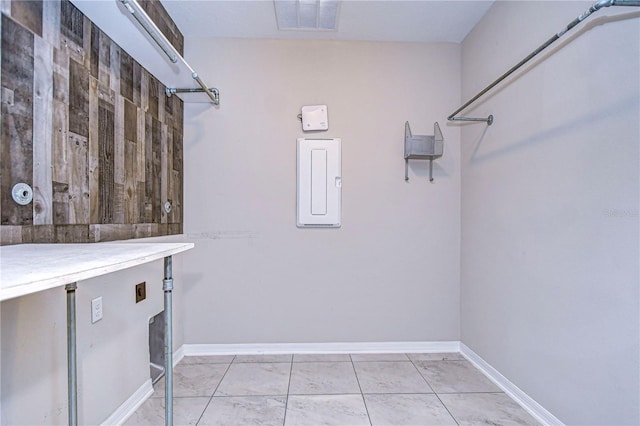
(87, 127)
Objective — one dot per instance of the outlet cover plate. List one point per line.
(141, 291)
(96, 310)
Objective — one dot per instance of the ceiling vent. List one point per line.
(309, 15)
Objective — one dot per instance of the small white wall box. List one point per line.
(319, 183)
(314, 117)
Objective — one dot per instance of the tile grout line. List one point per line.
(364, 401)
(215, 390)
(434, 392)
(286, 402)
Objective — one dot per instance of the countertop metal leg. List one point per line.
(167, 286)
(72, 371)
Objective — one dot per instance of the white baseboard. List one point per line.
(319, 348)
(130, 406)
(525, 401)
(178, 355)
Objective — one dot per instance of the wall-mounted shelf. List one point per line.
(419, 147)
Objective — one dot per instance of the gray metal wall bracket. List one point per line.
(417, 147)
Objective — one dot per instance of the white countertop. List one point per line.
(30, 268)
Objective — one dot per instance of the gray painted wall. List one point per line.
(549, 292)
(391, 273)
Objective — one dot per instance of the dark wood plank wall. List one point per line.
(87, 127)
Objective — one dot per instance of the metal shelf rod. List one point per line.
(596, 6)
(154, 32)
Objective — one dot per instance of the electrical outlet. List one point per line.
(96, 310)
(141, 291)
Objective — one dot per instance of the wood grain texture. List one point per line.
(130, 121)
(29, 14)
(61, 75)
(88, 127)
(51, 22)
(78, 99)
(71, 23)
(42, 133)
(114, 66)
(79, 179)
(106, 164)
(118, 203)
(165, 24)
(17, 119)
(148, 169)
(164, 171)
(144, 90)
(94, 150)
(126, 75)
(86, 43)
(155, 173)
(177, 150)
(104, 60)
(60, 202)
(141, 140)
(70, 233)
(152, 96)
(60, 168)
(10, 234)
(94, 56)
(178, 113)
(130, 172)
(118, 147)
(137, 77)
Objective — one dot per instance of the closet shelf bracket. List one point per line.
(212, 92)
(134, 8)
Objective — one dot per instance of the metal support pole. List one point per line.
(167, 286)
(430, 170)
(72, 371)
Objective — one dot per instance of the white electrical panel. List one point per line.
(319, 183)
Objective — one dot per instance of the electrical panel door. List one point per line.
(319, 182)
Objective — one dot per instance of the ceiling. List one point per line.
(377, 20)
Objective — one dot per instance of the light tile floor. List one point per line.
(358, 389)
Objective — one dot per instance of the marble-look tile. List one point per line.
(193, 380)
(315, 410)
(321, 358)
(245, 410)
(323, 378)
(486, 409)
(260, 379)
(390, 377)
(213, 359)
(444, 356)
(455, 376)
(263, 358)
(186, 411)
(379, 357)
(407, 409)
